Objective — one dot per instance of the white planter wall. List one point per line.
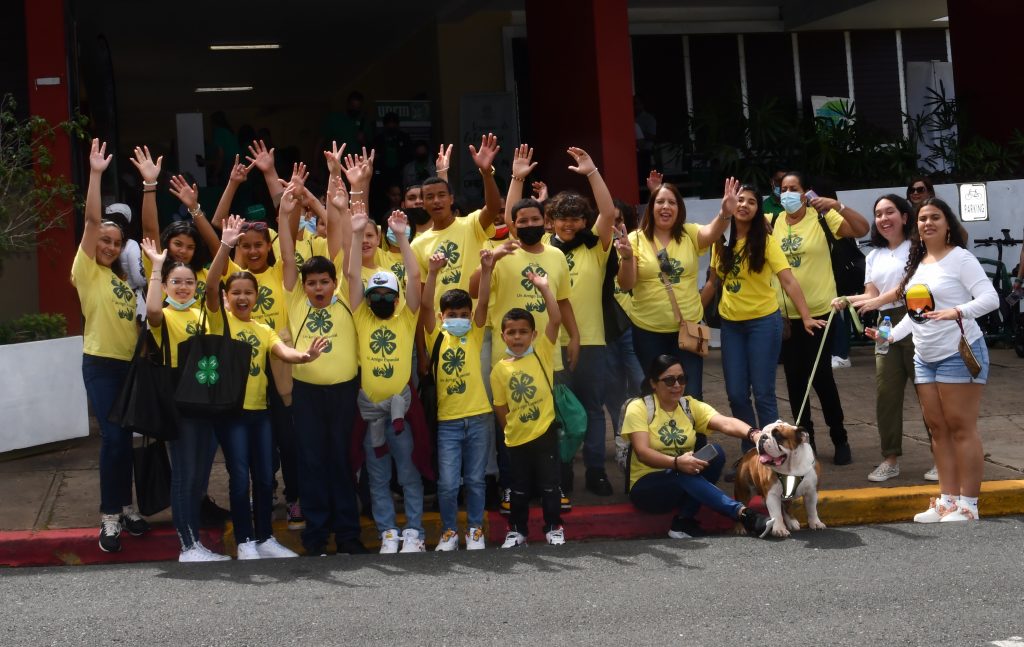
(42, 396)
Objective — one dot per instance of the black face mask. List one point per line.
(382, 309)
(418, 215)
(530, 235)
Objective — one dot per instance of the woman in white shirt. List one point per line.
(946, 289)
(884, 269)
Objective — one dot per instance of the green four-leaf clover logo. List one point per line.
(264, 300)
(319, 321)
(671, 434)
(526, 282)
(791, 243)
(382, 342)
(121, 291)
(207, 373)
(454, 360)
(451, 252)
(522, 387)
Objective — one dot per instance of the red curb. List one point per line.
(76, 546)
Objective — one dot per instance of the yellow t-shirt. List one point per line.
(365, 273)
(587, 267)
(338, 361)
(651, 308)
(520, 385)
(305, 249)
(108, 305)
(669, 433)
(745, 294)
(460, 391)
(181, 324)
(385, 350)
(511, 289)
(806, 249)
(271, 305)
(461, 243)
(147, 268)
(261, 338)
(392, 262)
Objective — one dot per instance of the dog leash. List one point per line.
(814, 369)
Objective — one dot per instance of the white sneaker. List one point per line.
(960, 514)
(214, 557)
(932, 474)
(389, 542)
(272, 549)
(475, 539)
(449, 541)
(196, 554)
(678, 534)
(841, 362)
(411, 542)
(935, 512)
(555, 536)
(513, 539)
(247, 550)
(884, 472)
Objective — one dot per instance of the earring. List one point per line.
(947, 236)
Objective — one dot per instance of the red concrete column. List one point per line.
(984, 38)
(581, 87)
(47, 57)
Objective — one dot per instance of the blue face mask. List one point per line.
(777, 190)
(528, 351)
(456, 326)
(791, 201)
(180, 307)
(394, 239)
(309, 225)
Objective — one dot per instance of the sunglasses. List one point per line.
(918, 189)
(254, 226)
(663, 263)
(672, 380)
(377, 297)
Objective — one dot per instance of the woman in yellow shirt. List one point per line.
(745, 268)
(108, 305)
(667, 246)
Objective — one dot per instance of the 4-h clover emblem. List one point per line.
(121, 291)
(454, 360)
(319, 321)
(264, 302)
(207, 373)
(671, 434)
(677, 270)
(791, 243)
(382, 341)
(522, 387)
(451, 252)
(536, 269)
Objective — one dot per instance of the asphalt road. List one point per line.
(900, 584)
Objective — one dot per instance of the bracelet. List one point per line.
(517, 179)
(145, 183)
(592, 172)
(154, 278)
(441, 170)
(750, 434)
(675, 463)
(193, 212)
(198, 214)
(149, 190)
(356, 192)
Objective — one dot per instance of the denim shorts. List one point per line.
(952, 370)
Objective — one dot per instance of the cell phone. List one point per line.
(707, 453)
(810, 194)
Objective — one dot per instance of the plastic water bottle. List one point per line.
(884, 334)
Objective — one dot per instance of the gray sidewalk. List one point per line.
(59, 488)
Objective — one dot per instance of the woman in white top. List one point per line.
(884, 269)
(945, 288)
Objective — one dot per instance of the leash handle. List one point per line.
(814, 369)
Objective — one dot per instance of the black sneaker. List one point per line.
(211, 514)
(685, 528)
(757, 524)
(597, 483)
(843, 455)
(110, 533)
(133, 522)
(352, 547)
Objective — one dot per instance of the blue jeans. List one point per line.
(841, 342)
(649, 345)
(188, 463)
(750, 354)
(667, 490)
(103, 379)
(378, 470)
(587, 384)
(323, 424)
(462, 451)
(247, 441)
(625, 377)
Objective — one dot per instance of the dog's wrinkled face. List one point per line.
(778, 440)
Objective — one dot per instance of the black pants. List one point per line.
(535, 464)
(285, 457)
(798, 353)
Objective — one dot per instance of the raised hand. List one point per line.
(149, 247)
(506, 248)
(239, 172)
(333, 158)
(540, 191)
(337, 195)
(537, 280)
(288, 202)
(623, 246)
(357, 170)
(730, 197)
(484, 157)
(522, 161)
(444, 158)
(654, 180)
(487, 259)
(98, 158)
(189, 195)
(299, 175)
(359, 216)
(437, 262)
(232, 230)
(316, 347)
(143, 161)
(584, 163)
(397, 222)
(259, 156)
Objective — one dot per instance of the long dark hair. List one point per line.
(917, 248)
(923, 180)
(659, 365)
(200, 257)
(170, 266)
(757, 240)
(904, 207)
(677, 227)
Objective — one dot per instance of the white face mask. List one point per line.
(528, 351)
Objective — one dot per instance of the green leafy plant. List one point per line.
(35, 327)
(33, 198)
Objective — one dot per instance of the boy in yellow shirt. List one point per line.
(525, 406)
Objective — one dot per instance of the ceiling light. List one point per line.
(226, 88)
(942, 19)
(244, 46)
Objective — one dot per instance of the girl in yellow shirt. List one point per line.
(108, 305)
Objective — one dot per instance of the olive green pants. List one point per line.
(892, 371)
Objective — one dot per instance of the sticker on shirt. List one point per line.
(451, 273)
(530, 295)
(919, 302)
(522, 391)
(382, 343)
(790, 244)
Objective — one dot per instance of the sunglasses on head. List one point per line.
(672, 380)
(387, 297)
(254, 226)
(663, 263)
(918, 189)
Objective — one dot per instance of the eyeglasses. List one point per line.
(918, 189)
(254, 226)
(377, 297)
(672, 380)
(186, 282)
(663, 263)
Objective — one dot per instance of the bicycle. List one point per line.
(1004, 324)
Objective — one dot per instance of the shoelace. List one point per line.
(111, 525)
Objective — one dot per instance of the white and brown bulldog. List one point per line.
(780, 469)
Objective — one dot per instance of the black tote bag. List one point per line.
(213, 371)
(146, 405)
(152, 477)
